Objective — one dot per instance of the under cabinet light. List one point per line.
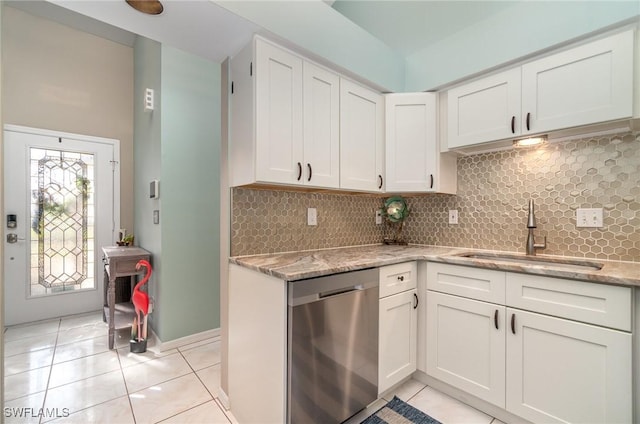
(532, 141)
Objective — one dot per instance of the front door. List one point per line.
(60, 209)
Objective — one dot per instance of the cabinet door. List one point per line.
(584, 85)
(561, 371)
(321, 127)
(397, 338)
(466, 345)
(278, 114)
(361, 138)
(411, 142)
(484, 110)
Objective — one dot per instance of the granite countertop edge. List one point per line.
(293, 266)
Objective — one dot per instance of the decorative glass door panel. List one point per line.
(62, 220)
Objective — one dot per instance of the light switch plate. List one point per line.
(312, 216)
(453, 216)
(378, 216)
(589, 217)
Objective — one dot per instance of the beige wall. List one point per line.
(58, 78)
(493, 194)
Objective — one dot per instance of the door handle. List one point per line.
(13, 238)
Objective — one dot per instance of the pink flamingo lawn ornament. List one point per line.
(141, 300)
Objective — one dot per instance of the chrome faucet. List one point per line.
(531, 225)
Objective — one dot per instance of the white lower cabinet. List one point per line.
(398, 325)
(542, 368)
(466, 345)
(561, 371)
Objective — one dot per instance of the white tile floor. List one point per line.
(64, 366)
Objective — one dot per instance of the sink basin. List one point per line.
(569, 264)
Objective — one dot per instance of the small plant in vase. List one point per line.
(395, 211)
(126, 240)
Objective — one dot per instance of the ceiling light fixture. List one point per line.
(150, 7)
(531, 141)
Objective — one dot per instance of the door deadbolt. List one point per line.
(12, 238)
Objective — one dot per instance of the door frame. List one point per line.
(115, 145)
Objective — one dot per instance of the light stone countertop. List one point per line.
(294, 266)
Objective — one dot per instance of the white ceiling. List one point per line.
(197, 26)
(208, 30)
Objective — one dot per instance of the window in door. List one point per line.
(62, 242)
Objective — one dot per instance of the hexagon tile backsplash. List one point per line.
(493, 193)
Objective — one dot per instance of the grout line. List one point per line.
(223, 409)
(55, 347)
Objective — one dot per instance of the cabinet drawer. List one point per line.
(474, 283)
(398, 278)
(599, 304)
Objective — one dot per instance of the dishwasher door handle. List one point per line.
(343, 290)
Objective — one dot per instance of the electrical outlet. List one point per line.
(453, 216)
(589, 217)
(379, 217)
(312, 216)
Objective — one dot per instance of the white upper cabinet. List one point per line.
(284, 119)
(588, 84)
(279, 152)
(484, 110)
(321, 127)
(413, 160)
(361, 138)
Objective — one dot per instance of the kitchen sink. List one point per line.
(568, 264)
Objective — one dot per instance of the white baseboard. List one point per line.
(224, 399)
(160, 346)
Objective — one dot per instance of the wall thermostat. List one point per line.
(154, 189)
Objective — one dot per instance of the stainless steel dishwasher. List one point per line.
(332, 346)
